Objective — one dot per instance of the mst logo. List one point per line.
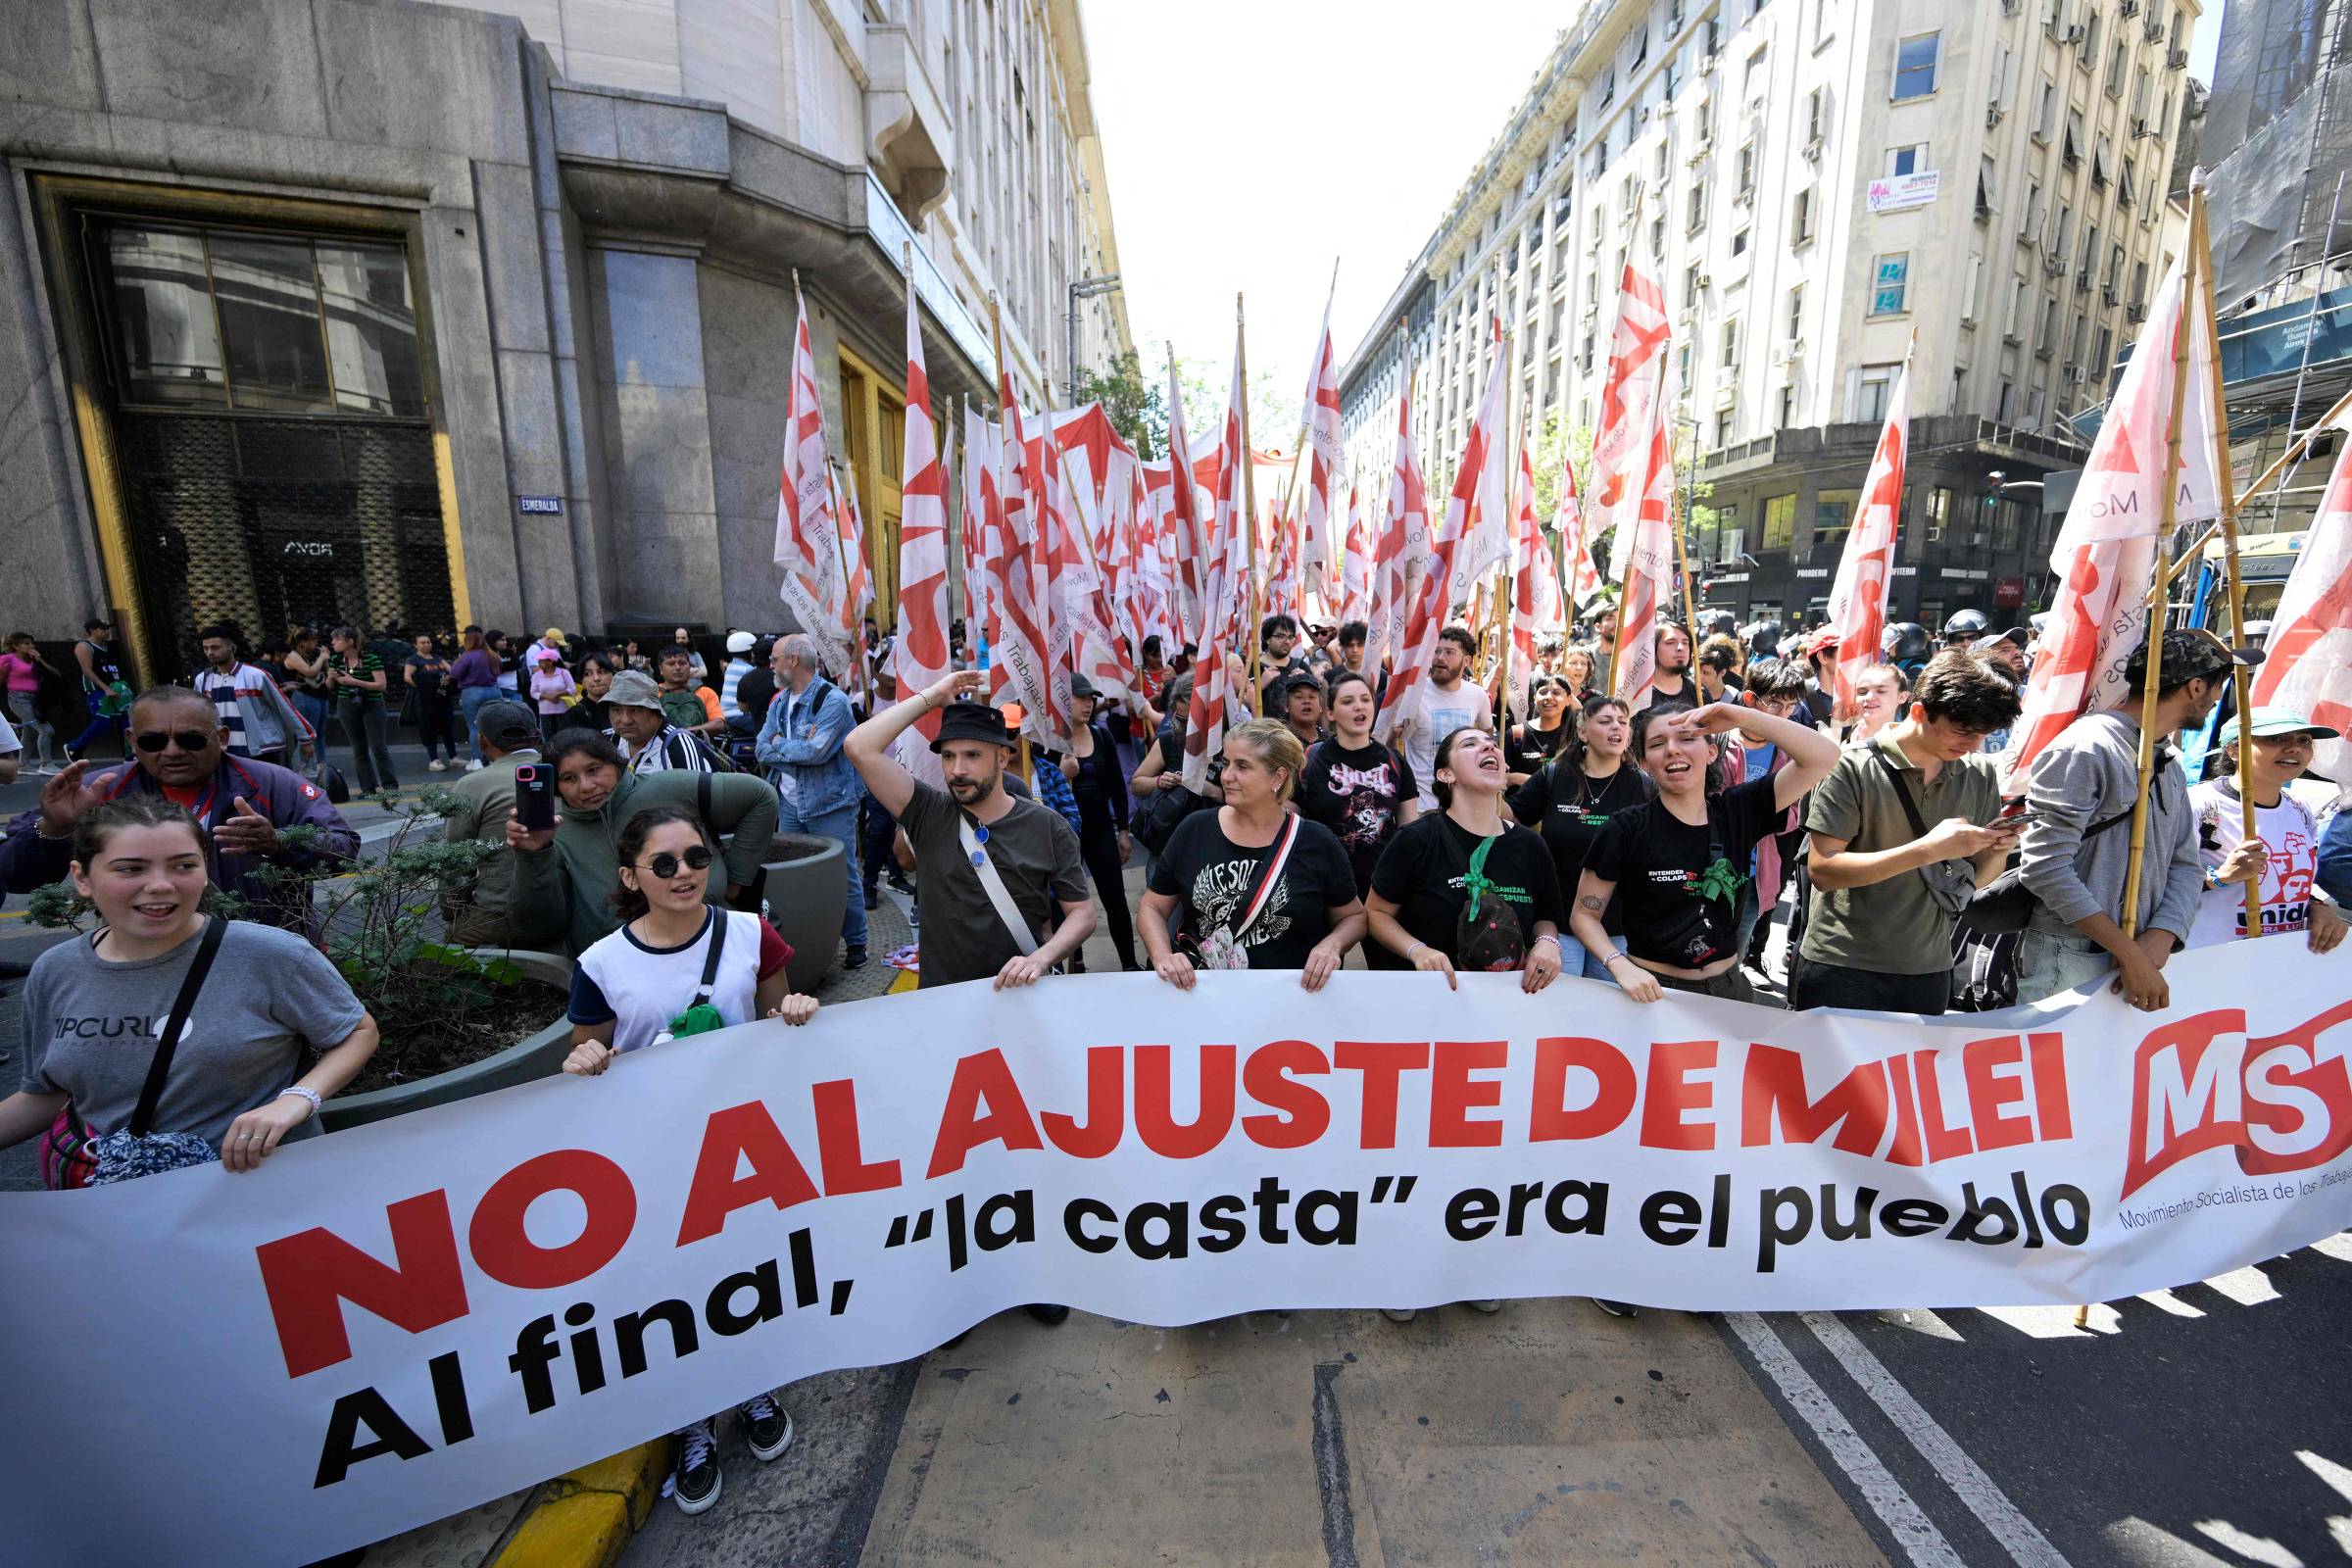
(2284, 1102)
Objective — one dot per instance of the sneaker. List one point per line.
(1484, 1306)
(436, 766)
(474, 767)
(898, 880)
(1401, 1314)
(873, 901)
(1616, 1308)
(1046, 1312)
(855, 957)
(694, 1484)
(766, 1426)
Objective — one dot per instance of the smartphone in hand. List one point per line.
(535, 795)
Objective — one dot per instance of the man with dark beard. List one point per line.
(1672, 684)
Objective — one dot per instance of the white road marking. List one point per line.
(1912, 1528)
(1982, 1494)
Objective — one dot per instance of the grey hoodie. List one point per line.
(2089, 773)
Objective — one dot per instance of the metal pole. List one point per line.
(2311, 327)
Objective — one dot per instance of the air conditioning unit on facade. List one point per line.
(1992, 115)
(2176, 59)
(2073, 34)
(2076, 374)
(2128, 9)
(1813, 151)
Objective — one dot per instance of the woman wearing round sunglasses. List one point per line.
(656, 979)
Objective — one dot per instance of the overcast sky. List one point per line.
(1298, 133)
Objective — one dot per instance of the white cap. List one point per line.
(740, 641)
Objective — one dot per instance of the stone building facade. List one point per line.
(385, 314)
(1820, 187)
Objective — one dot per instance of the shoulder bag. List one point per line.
(71, 1156)
(1227, 948)
(699, 1016)
(992, 882)
(1952, 884)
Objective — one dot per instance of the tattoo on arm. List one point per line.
(1590, 902)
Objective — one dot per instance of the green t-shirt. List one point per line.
(1894, 926)
(367, 664)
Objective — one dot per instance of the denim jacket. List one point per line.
(811, 752)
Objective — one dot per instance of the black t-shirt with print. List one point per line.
(1210, 878)
(1658, 862)
(1526, 749)
(1568, 810)
(1356, 792)
(1421, 873)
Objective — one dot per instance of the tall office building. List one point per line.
(1821, 186)
(368, 313)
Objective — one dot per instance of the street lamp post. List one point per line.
(1085, 289)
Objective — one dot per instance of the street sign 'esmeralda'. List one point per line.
(552, 505)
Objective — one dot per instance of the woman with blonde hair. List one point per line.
(1252, 885)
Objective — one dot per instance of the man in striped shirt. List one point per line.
(260, 721)
(645, 734)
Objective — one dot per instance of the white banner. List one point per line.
(393, 1323)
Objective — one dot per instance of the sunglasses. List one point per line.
(187, 740)
(666, 864)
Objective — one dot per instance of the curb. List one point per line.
(584, 1519)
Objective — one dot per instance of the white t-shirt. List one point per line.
(1442, 714)
(641, 989)
(2289, 835)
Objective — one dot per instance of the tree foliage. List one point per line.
(1137, 408)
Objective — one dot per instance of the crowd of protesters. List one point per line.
(1563, 834)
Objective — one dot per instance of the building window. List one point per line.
(1690, 285)
(1748, 168)
(2046, 111)
(1890, 283)
(1731, 343)
(1873, 386)
(1940, 512)
(1816, 114)
(1915, 67)
(1797, 312)
(262, 322)
(1906, 159)
(1779, 522)
(1833, 514)
(1696, 218)
(1801, 218)
(1657, 235)
(1988, 176)
(1739, 242)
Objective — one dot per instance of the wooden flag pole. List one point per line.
(1241, 353)
(996, 349)
(2240, 678)
(2159, 593)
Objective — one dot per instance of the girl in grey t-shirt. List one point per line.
(95, 1006)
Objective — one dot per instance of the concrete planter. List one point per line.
(806, 896)
(538, 1055)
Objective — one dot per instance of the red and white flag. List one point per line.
(919, 653)
(2105, 554)
(1647, 556)
(1325, 444)
(815, 586)
(1632, 406)
(1181, 531)
(1283, 596)
(1859, 594)
(1536, 608)
(1477, 497)
(1225, 596)
(860, 597)
(1017, 662)
(1355, 570)
(1402, 555)
(1578, 573)
(2306, 662)
(1487, 542)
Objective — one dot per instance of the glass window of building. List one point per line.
(1890, 283)
(1833, 514)
(1915, 67)
(1873, 386)
(262, 323)
(1779, 522)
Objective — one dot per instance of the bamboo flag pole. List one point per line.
(2159, 588)
(1240, 352)
(2240, 678)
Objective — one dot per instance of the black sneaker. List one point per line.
(1046, 1312)
(766, 1426)
(1616, 1308)
(694, 1483)
(873, 901)
(898, 880)
(855, 957)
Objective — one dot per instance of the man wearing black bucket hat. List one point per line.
(991, 866)
(2076, 851)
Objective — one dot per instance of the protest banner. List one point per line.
(394, 1322)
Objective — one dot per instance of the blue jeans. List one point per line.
(1576, 959)
(470, 703)
(100, 724)
(840, 824)
(315, 713)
